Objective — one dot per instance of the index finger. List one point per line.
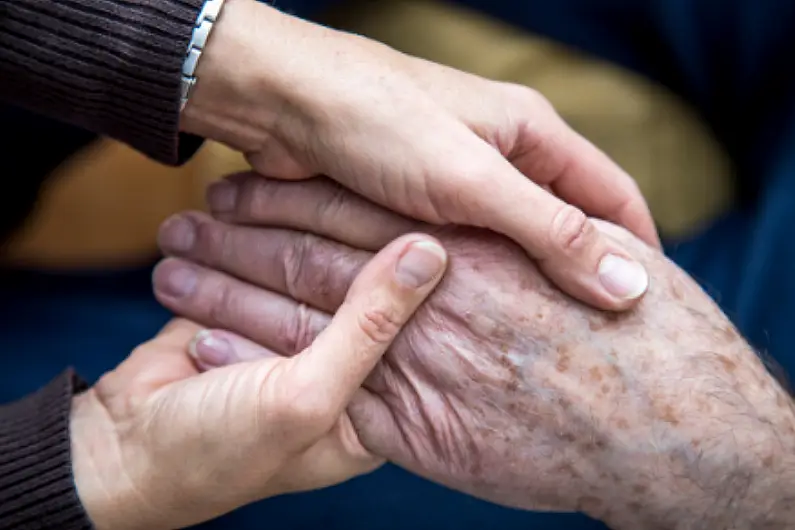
(570, 250)
(552, 154)
(381, 300)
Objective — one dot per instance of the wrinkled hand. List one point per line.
(155, 444)
(503, 387)
(424, 140)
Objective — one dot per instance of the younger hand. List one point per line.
(156, 444)
(424, 140)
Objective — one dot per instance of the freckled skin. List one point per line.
(501, 379)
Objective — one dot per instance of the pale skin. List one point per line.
(421, 139)
(501, 386)
(150, 440)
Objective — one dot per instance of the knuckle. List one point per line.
(254, 195)
(527, 98)
(571, 232)
(296, 332)
(294, 256)
(337, 200)
(309, 271)
(224, 307)
(379, 326)
(536, 100)
(214, 243)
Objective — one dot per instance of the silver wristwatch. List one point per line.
(201, 31)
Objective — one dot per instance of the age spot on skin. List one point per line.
(676, 290)
(567, 469)
(568, 437)
(590, 505)
(727, 363)
(595, 373)
(595, 324)
(564, 359)
(669, 416)
(730, 334)
(511, 383)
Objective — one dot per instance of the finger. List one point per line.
(552, 154)
(159, 361)
(570, 250)
(306, 268)
(318, 205)
(216, 300)
(546, 149)
(213, 348)
(376, 427)
(176, 333)
(384, 296)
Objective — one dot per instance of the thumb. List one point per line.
(381, 300)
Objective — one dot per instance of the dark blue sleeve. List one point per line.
(731, 59)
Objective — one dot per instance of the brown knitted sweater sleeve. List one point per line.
(110, 66)
(37, 490)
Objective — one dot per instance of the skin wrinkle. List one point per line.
(584, 384)
(502, 387)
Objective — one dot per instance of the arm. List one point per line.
(134, 451)
(36, 483)
(110, 66)
(301, 100)
(501, 386)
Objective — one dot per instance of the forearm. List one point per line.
(109, 66)
(740, 476)
(749, 498)
(36, 483)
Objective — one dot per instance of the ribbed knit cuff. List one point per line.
(110, 66)
(37, 489)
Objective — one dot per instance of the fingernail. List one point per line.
(623, 278)
(420, 264)
(222, 196)
(209, 349)
(178, 234)
(180, 281)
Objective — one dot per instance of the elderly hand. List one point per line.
(424, 140)
(155, 444)
(503, 387)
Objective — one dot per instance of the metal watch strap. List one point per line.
(201, 32)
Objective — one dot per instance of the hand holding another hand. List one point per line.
(424, 140)
(501, 386)
(157, 444)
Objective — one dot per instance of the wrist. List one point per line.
(263, 74)
(237, 94)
